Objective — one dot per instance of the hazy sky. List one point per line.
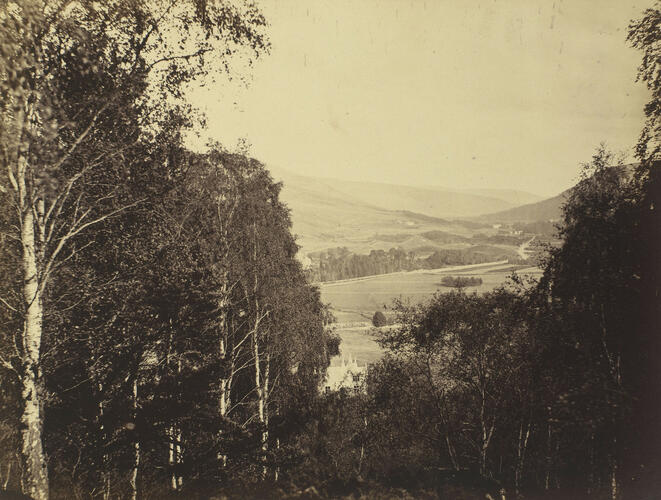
(499, 93)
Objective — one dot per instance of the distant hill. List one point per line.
(363, 216)
(432, 201)
(329, 213)
(512, 196)
(545, 210)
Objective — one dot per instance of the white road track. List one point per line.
(522, 250)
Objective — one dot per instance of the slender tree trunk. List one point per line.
(265, 406)
(547, 472)
(521, 454)
(225, 380)
(277, 468)
(8, 476)
(105, 475)
(178, 453)
(451, 451)
(136, 445)
(487, 432)
(171, 458)
(258, 382)
(35, 469)
(614, 482)
(591, 472)
(175, 458)
(180, 457)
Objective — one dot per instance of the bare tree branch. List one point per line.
(73, 232)
(8, 305)
(6, 364)
(186, 57)
(82, 136)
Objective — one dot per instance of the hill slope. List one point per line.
(329, 213)
(433, 200)
(546, 210)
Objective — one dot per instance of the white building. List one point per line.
(347, 374)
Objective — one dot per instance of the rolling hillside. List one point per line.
(434, 201)
(363, 216)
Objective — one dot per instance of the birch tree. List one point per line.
(74, 74)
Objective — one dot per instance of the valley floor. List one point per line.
(354, 301)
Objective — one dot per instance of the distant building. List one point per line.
(347, 374)
(305, 261)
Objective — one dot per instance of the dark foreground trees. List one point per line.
(158, 338)
(147, 292)
(182, 343)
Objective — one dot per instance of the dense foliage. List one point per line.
(379, 319)
(159, 338)
(158, 335)
(546, 389)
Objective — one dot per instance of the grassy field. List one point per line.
(354, 301)
(358, 343)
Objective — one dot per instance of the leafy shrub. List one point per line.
(379, 319)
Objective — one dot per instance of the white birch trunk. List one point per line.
(277, 468)
(36, 473)
(225, 383)
(265, 409)
(521, 455)
(258, 383)
(615, 486)
(7, 477)
(179, 457)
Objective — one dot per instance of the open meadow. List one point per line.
(354, 301)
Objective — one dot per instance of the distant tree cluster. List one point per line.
(461, 281)
(500, 239)
(340, 263)
(459, 257)
(542, 227)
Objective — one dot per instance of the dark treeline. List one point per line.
(461, 281)
(340, 263)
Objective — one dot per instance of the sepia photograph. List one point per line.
(330, 249)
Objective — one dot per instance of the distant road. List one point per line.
(417, 271)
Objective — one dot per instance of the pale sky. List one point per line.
(462, 94)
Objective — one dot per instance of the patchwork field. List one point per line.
(354, 301)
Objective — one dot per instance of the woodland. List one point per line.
(160, 339)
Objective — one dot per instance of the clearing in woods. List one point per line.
(354, 301)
